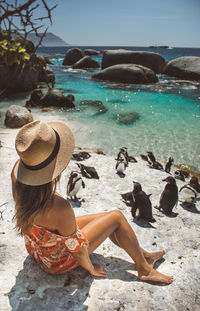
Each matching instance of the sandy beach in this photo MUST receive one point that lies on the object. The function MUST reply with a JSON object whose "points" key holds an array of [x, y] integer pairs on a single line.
{"points": [[24, 286]]}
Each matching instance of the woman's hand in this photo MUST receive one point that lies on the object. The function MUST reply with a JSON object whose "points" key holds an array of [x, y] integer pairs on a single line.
{"points": [[99, 271]]}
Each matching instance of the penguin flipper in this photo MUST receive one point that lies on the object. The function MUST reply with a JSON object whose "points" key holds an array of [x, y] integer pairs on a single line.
{"points": [[83, 184]]}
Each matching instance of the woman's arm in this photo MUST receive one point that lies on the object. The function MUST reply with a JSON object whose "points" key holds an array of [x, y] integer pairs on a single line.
{"points": [[84, 261]]}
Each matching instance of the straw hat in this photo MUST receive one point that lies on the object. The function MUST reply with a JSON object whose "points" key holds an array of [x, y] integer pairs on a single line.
{"points": [[45, 150]]}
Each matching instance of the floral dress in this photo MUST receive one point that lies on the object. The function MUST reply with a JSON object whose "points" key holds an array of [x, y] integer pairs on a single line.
{"points": [[53, 251]]}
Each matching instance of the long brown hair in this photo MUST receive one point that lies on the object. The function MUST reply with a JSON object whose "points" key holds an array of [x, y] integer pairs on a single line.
{"points": [[29, 201]]}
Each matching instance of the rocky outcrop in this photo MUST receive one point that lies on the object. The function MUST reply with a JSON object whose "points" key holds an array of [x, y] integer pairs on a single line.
{"points": [[127, 118], [187, 67], [97, 104], [91, 52], [27, 43], [55, 98], [86, 62], [17, 116], [72, 56], [127, 73], [151, 60], [22, 78]]}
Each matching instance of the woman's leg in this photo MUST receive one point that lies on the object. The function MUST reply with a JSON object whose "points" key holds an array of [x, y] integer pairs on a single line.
{"points": [[82, 221], [102, 227]]}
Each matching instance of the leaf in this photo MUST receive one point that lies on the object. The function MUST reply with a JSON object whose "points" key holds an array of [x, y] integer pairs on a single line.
{"points": [[22, 50], [26, 56]]}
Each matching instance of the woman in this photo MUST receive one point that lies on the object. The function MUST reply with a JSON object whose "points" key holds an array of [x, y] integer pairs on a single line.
{"points": [[54, 237]]}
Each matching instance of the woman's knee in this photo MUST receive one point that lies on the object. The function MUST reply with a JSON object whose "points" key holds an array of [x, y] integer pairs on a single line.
{"points": [[117, 214]]}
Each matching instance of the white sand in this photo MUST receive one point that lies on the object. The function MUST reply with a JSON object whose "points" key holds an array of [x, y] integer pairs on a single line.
{"points": [[25, 287]]}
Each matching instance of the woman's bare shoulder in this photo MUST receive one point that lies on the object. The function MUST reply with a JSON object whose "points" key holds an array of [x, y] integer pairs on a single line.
{"points": [[63, 216]]}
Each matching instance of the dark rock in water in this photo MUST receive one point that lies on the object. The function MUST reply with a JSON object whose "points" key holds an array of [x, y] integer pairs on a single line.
{"points": [[151, 60], [127, 73], [86, 62], [96, 104], [72, 56], [187, 67], [17, 116], [91, 52], [55, 98], [127, 118], [34, 100]]}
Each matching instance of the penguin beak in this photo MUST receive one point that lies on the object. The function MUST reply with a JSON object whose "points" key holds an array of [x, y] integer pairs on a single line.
{"points": [[164, 179]]}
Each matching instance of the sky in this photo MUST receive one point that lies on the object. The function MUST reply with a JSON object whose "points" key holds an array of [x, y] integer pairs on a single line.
{"points": [[127, 22]]}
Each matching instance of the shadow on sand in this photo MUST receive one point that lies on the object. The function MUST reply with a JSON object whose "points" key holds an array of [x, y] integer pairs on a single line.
{"points": [[191, 208], [35, 289], [142, 224]]}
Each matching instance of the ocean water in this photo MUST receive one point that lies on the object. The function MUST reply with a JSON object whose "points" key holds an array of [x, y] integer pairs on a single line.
{"points": [[167, 114]]}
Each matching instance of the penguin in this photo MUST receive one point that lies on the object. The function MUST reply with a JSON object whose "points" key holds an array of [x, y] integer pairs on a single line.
{"points": [[169, 165], [152, 161], [179, 175], [128, 198], [145, 158], [74, 184], [169, 196], [131, 159], [121, 165], [142, 203], [187, 195], [194, 183], [123, 154], [80, 156], [151, 156], [88, 171]]}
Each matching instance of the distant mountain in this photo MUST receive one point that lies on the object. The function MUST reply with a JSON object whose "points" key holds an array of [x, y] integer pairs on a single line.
{"points": [[49, 40]]}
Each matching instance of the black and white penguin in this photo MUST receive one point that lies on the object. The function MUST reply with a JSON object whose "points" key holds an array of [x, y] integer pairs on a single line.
{"points": [[169, 164], [80, 156], [123, 154], [88, 171], [128, 198], [142, 203], [194, 183], [152, 161], [145, 158], [178, 174], [188, 195], [151, 156], [74, 184], [121, 165], [132, 159], [169, 196]]}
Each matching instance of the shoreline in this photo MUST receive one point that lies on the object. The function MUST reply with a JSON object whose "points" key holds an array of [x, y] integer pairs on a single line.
{"points": [[24, 286]]}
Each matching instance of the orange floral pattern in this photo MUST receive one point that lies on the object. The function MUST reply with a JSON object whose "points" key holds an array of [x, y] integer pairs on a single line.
{"points": [[52, 251]]}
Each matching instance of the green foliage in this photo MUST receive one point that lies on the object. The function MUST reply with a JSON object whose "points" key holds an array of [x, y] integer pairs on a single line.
{"points": [[12, 52]]}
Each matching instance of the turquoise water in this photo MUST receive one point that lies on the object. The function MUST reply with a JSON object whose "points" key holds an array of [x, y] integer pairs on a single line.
{"points": [[168, 124]]}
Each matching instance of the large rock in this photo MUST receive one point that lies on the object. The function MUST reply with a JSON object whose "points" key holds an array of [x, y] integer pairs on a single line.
{"points": [[55, 98], [86, 62], [91, 52], [28, 44], [15, 79], [97, 104], [72, 56], [127, 118], [17, 116], [151, 60], [127, 73], [187, 67]]}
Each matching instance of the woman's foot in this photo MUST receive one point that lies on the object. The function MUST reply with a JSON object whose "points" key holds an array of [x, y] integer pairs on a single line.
{"points": [[152, 258], [155, 276]]}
